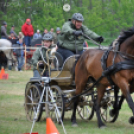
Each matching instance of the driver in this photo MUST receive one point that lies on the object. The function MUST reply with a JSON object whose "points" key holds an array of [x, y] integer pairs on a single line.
{"points": [[72, 31], [47, 44]]}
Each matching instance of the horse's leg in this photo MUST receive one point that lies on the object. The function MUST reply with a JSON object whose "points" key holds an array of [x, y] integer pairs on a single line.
{"points": [[73, 118], [100, 94], [125, 88], [120, 102], [80, 85], [9, 60], [15, 61], [80, 81], [115, 106]]}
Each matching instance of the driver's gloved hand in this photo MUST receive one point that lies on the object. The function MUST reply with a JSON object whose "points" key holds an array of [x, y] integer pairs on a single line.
{"points": [[100, 39], [77, 33]]}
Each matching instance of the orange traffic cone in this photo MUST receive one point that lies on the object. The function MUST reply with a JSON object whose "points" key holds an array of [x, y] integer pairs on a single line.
{"points": [[50, 127], [2, 72], [0, 75], [3, 75]]}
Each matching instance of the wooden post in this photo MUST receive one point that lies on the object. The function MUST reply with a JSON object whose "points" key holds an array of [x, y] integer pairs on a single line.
{"points": [[25, 58]]}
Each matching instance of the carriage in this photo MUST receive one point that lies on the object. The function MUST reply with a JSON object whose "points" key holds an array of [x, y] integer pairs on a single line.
{"points": [[42, 94]]}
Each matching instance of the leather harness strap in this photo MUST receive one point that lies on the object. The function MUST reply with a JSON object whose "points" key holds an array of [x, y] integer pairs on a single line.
{"points": [[104, 66], [127, 64]]}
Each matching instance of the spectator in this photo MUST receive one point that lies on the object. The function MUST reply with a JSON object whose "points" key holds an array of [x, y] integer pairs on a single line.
{"points": [[54, 35], [4, 31], [20, 55], [13, 41], [28, 31], [58, 30], [21, 36], [37, 35], [45, 31], [57, 34], [52, 30], [12, 30], [12, 38]]}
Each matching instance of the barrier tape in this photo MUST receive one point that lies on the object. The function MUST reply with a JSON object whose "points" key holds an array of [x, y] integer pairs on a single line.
{"points": [[4, 48]]}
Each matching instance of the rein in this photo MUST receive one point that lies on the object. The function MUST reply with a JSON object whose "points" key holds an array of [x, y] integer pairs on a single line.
{"points": [[122, 54], [93, 41]]}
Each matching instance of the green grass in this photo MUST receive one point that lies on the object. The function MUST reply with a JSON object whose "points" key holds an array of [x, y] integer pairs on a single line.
{"points": [[13, 119]]}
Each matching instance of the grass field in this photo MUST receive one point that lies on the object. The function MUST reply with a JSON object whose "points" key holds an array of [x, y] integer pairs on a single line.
{"points": [[13, 119]]}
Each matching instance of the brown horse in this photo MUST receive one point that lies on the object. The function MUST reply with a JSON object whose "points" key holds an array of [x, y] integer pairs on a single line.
{"points": [[89, 65]]}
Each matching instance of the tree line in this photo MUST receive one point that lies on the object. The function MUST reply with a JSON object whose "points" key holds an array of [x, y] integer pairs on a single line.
{"points": [[105, 17]]}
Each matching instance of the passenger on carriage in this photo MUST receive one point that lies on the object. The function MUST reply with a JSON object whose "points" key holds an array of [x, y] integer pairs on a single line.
{"points": [[47, 44], [72, 32]]}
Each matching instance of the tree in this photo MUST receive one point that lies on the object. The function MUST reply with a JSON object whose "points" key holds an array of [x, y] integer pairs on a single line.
{"points": [[105, 17]]}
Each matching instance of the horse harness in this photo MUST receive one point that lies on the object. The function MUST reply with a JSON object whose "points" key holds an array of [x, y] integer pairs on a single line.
{"points": [[127, 64]]}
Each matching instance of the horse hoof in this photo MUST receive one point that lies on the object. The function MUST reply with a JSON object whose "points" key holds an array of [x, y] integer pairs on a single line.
{"points": [[131, 120], [74, 125]]}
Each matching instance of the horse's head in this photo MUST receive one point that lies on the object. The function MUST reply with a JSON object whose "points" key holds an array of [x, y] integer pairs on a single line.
{"points": [[126, 41]]}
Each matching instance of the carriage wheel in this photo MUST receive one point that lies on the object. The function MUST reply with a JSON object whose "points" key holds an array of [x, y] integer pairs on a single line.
{"points": [[58, 99], [86, 107], [107, 106], [32, 96]]}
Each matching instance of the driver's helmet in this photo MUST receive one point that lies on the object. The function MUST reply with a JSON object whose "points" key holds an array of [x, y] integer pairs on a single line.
{"points": [[78, 16], [48, 36]]}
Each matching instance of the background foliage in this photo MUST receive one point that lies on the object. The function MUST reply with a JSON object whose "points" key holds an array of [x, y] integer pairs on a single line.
{"points": [[106, 17]]}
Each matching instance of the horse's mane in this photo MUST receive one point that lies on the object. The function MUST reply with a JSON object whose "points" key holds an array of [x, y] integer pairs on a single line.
{"points": [[125, 34]]}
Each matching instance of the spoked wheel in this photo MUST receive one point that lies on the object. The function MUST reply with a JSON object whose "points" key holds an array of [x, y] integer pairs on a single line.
{"points": [[32, 97], [107, 107], [59, 101], [86, 107]]}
